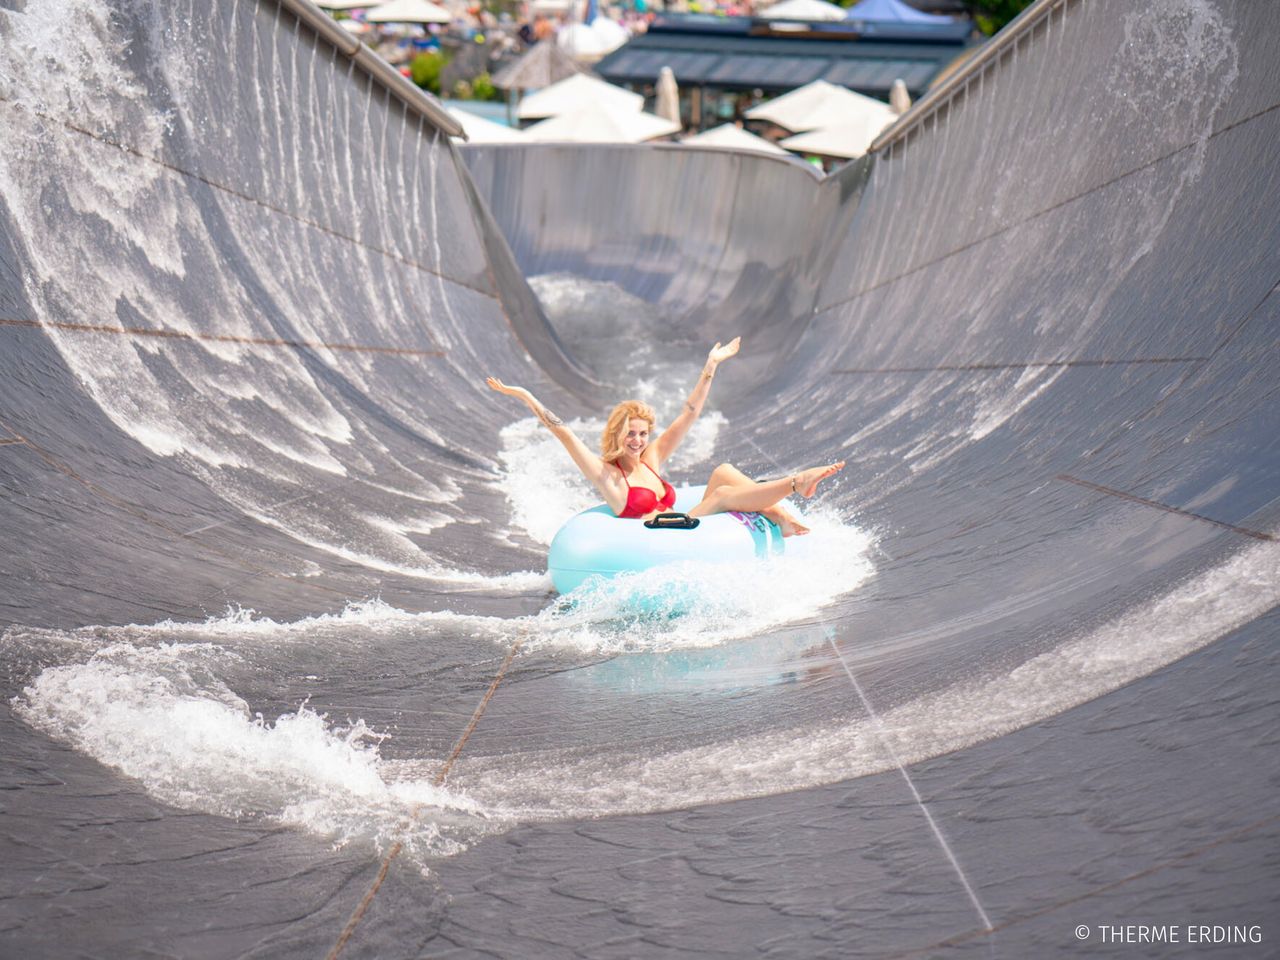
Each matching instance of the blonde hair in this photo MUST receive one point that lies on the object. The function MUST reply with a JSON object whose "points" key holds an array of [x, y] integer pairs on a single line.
{"points": [[615, 429]]}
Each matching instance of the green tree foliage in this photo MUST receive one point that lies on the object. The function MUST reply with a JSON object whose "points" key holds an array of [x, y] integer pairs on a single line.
{"points": [[991, 15], [988, 15], [482, 88], [425, 70]]}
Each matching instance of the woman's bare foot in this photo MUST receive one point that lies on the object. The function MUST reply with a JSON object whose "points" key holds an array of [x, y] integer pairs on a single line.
{"points": [[786, 521], [806, 481]]}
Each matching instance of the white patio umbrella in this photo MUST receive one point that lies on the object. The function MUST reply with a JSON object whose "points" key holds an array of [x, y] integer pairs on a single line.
{"points": [[480, 130], [595, 123], [611, 32], [847, 140], [574, 93], [729, 137], [791, 105], [581, 42], [347, 4], [804, 10], [822, 104], [409, 11], [668, 99]]}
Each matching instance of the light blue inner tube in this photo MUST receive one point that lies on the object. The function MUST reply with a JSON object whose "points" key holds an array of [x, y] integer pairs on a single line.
{"points": [[596, 542]]}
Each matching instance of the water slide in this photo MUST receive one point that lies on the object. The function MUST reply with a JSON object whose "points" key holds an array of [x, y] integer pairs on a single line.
{"points": [[282, 671]]}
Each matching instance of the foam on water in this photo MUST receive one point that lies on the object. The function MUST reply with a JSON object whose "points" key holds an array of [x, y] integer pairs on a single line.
{"points": [[161, 715], [1150, 636], [155, 703]]}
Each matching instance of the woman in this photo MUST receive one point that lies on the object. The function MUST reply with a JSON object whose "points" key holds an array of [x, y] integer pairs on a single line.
{"points": [[627, 470]]}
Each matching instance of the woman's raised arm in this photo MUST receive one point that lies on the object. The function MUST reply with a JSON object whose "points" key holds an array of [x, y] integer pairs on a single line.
{"points": [[671, 437], [591, 465]]}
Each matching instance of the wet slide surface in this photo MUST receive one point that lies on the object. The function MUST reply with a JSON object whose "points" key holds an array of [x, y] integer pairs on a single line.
{"points": [[277, 636]]}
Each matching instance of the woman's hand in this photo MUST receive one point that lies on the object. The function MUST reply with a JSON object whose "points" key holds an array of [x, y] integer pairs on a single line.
{"points": [[520, 392], [719, 353]]}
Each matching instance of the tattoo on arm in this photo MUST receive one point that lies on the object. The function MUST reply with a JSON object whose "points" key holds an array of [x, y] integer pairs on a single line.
{"points": [[550, 419]]}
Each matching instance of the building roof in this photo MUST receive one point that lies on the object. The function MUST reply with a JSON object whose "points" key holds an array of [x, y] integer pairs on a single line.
{"points": [[892, 11], [741, 56]]}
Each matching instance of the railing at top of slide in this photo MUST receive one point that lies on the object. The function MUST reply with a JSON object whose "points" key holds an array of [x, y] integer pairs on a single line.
{"points": [[382, 73], [938, 97]]}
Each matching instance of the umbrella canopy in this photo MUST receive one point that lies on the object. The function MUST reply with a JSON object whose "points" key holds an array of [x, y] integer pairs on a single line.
{"points": [[581, 42], [595, 123], [847, 140], [409, 11], [892, 11], [733, 138], [610, 32], [347, 4], [542, 65], [576, 92], [803, 10], [668, 99], [480, 130], [822, 104]]}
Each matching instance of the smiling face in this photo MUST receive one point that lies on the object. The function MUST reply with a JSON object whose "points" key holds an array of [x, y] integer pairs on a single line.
{"points": [[635, 436], [628, 430]]}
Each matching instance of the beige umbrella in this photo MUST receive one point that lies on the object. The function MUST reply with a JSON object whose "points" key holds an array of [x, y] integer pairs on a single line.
{"points": [[668, 105], [574, 93], [821, 104], [847, 140], [795, 102], [595, 123], [480, 130], [807, 10], [729, 137], [409, 11], [347, 4], [611, 32], [582, 43]]}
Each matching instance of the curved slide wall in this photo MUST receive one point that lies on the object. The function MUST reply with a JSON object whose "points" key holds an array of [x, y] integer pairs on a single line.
{"points": [[238, 277]]}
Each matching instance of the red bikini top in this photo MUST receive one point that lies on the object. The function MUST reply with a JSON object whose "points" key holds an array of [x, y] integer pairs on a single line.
{"points": [[641, 501]]}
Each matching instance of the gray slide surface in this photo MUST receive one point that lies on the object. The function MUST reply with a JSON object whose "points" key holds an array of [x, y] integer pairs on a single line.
{"points": [[265, 561]]}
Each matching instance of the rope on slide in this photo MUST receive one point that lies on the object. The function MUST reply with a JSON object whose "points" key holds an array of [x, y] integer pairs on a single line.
{"points": [[394, 852]]}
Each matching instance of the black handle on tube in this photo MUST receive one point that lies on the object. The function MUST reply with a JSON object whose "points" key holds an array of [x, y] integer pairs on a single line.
{"points": [[672, 521]]}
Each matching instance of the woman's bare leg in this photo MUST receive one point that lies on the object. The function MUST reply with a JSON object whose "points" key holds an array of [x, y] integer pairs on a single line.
{"points": [[727, 475], [760, 496]]}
